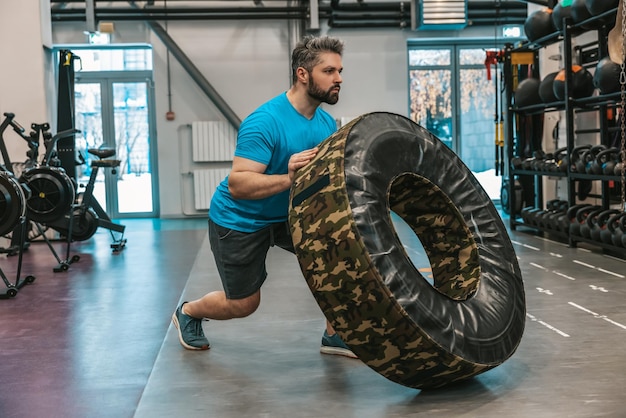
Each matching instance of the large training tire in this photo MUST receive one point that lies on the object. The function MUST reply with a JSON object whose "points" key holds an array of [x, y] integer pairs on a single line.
{"points": [[418, 335], [12, 202]]}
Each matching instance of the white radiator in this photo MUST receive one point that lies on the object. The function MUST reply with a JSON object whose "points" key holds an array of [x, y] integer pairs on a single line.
{"points": [[213, 141], [204, 184]]}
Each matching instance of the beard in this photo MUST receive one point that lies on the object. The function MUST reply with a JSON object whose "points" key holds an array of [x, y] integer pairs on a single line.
{"points": [[329, 96]]}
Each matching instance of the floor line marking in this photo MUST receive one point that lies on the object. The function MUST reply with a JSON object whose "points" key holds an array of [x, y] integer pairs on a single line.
{"points": [[621, 276], [538, 266], [584, 264], [551, 241], [531, 247], [614, 258], [597, 315], [563, 275], [600, 269], [545, 324]]}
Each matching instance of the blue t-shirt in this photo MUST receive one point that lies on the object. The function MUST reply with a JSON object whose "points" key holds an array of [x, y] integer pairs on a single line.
{"points": [[270, 135]]}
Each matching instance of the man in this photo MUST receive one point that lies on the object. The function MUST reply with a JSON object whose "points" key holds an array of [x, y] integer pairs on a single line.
{"points": [[248, 212]]}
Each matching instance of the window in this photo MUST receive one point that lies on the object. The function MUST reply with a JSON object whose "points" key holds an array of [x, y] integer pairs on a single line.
{"points": [[451, 96]]}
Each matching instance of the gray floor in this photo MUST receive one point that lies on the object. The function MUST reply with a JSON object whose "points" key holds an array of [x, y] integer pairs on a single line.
{"points": [[570, 362]]}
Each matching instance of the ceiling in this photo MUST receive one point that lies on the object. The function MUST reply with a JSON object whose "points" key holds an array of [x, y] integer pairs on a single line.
{"points": [[337, 13]]}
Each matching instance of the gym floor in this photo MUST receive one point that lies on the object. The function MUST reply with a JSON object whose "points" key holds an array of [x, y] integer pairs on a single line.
{"points": [[97, 341]]}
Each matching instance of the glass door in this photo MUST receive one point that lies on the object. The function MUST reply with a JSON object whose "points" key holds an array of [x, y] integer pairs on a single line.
{"points": [[115, 112], [451, 96]]}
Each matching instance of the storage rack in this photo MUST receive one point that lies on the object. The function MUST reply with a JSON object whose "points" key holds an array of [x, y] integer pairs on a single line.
{"points": [[570, 106]]}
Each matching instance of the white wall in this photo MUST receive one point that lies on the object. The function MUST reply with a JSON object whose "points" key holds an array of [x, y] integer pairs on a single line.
{"points": [[247, 62], [25, 72]]}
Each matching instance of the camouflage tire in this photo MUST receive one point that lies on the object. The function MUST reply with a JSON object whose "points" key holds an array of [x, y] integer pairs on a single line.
{"points": [[414, 333], [12, 202]]}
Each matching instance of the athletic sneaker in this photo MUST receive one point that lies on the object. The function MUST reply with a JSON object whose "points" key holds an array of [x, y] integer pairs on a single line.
{"points": [[190, 333], [333, 344]]}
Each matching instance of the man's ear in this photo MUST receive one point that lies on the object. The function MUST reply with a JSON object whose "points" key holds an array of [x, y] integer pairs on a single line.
{"points": [[303, 75]]}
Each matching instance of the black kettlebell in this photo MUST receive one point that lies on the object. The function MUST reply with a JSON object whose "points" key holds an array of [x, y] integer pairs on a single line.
{"points": [[605, 161], [542, 216], [576, 158], [589, 222], [569, 217], [617, 226], [601, 223], [552, 220], [589, 158], [577, 227], [607, 234]]}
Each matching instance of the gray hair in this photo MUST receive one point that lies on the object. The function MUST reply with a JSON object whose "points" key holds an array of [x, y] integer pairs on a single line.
{"points": [[307, 51]]}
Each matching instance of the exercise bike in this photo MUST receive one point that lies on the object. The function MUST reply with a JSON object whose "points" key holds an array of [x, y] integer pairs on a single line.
{"points": [[13, 196], [55, 203], [87, 213]]}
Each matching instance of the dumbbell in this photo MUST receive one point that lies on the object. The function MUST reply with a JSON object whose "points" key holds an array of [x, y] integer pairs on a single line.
{"points": [[516, 163], [560, 161], [524, 213], [529, 214], [532, 163]]}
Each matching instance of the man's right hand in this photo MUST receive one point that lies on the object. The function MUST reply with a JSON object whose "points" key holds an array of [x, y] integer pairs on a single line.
{"points": [[299, 160]]}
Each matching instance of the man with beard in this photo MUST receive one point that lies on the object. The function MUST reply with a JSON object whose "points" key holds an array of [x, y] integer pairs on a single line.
{"points": [[248, 212]]}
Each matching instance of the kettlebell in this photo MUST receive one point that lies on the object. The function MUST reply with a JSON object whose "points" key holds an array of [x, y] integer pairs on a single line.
{"points": [[569, 217], [611, 223], [605, 162], [576, 158], [600, 224], [589, 158], [552, 219], [579, 219], [588, 223], [542, 215]]}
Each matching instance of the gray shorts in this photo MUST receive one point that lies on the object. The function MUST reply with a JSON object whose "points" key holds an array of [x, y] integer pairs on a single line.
{"points": [[240, 256]]}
